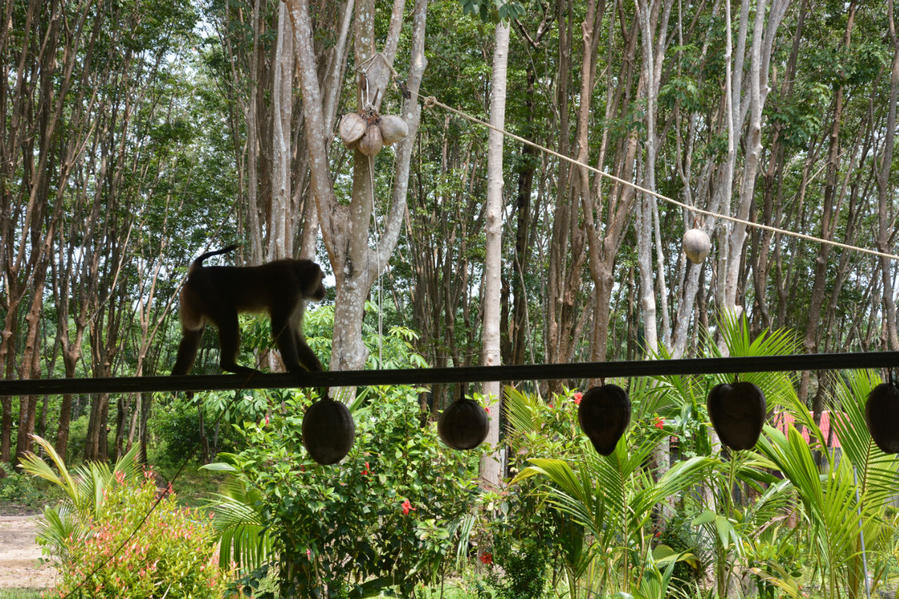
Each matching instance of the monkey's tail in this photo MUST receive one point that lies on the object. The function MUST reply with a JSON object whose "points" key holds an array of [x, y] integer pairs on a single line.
{"points": [[198, 263]]}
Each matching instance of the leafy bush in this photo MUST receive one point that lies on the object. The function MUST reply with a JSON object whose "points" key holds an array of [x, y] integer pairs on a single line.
{"points": [[172, 555], [385, 517], [19, 489], [176, 424]]}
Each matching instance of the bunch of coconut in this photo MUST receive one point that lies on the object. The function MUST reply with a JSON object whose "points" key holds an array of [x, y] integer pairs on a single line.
{"points": [[368, 131]]}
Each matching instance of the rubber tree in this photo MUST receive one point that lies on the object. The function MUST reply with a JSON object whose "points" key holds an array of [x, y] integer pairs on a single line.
{"points": [[346, 226], [491, 464]]}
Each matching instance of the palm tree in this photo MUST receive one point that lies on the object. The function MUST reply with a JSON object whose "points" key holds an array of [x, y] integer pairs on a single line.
{"points": [[84, 487], [844, 506], [243, 535]]}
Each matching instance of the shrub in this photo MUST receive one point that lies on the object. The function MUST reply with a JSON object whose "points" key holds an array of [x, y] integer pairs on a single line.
{"points": [[385, 517], [172, 554], [19, 489]]}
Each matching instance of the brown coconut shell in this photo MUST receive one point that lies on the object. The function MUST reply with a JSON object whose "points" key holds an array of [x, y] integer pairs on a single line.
{"points": [[697, 245], [328, 431], [463, 424], [737, 412], [352, 128], [882, 416], [604, 414], [371, 143], [393, 129]]}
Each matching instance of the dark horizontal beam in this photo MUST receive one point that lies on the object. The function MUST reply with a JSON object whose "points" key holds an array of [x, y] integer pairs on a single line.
{"points": [[472, 374]]}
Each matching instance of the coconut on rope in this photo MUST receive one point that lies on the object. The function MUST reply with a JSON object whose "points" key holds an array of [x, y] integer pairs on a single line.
{"points": [[367, 130]]}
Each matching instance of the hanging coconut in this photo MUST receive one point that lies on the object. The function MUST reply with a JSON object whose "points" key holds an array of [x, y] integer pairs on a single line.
{"points": [[604, 413], [737, 412], [371, 143], [352, 128], [463, 424], [697, 245], [882, 416], [393, 129], [328, 431]]}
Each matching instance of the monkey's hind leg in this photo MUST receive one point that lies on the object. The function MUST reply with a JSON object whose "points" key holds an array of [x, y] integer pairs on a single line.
{"points": [[187, 351]]}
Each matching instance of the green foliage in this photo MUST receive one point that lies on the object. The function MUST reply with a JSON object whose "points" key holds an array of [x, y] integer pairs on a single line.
{"points": [[501, 10], [19, 489], [172, 555], [521, 541], [386, 517], [846, 499], [175, 422], [84, 489]]}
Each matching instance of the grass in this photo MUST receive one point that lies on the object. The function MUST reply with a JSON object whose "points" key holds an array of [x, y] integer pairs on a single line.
{"points": [[20, 594]]}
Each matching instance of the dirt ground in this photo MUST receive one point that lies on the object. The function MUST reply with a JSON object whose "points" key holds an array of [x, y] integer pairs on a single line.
{"points": [[20, 566]]}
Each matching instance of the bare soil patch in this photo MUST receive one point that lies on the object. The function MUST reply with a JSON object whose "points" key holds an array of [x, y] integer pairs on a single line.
{"points": [[20, 565]]}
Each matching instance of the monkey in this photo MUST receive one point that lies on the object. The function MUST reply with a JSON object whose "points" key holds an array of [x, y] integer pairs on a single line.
{"points": [[218, 293]]}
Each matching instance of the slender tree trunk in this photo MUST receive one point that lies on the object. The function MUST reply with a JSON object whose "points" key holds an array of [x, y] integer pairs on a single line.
{"points": [[558, 295], [491, 464], [252, 120], [884, 191], [280, 232], [829, 219], [607, 211]]}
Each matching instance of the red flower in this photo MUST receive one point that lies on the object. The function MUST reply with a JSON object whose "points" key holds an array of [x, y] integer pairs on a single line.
{"points": [[659, 423], [486, 558], [407, 507], [365, 471], [487, 409], [577, 398]]}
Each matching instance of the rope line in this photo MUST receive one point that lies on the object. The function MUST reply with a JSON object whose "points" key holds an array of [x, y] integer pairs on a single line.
{"points": [[432, 101]]}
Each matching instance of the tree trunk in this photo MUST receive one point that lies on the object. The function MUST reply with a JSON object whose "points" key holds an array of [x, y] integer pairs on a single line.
{"points": [[884, 213], [829, 221], [345, 229], [491, 464], [280, 231], [605, 238]]}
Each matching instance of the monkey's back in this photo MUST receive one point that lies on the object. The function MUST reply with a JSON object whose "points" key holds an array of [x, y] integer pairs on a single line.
{"points": [[245, 288]]}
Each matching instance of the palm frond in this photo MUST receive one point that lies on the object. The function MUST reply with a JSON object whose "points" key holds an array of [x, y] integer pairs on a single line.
{"points": [[56, 527], [876, 471], [36, 466], [243, 534], [570, 492], [778, 387], [521, 413]]}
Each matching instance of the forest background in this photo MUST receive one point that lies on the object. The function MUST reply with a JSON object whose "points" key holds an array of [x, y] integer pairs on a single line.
{"points": [[137, 135]]}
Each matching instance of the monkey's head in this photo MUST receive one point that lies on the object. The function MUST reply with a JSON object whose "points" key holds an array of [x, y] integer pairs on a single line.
{"points": [[311, 277]]}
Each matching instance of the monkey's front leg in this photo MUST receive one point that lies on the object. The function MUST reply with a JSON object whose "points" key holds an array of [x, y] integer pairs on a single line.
{"points": [[309, 360], [296, 354]]}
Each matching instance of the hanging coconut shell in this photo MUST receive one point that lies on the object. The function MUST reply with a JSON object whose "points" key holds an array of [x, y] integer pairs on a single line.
{"points": [[882, 416], [604, 413], [352, 128], [463, 424], [737, 412], [371, 143], [328, 431], [697, 245], [393, 129]]}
